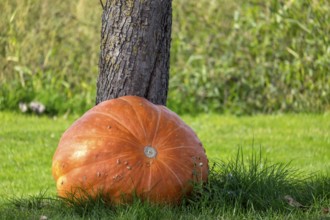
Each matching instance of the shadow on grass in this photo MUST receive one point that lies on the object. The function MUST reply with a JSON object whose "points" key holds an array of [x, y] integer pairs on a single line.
{"points": [[241, 187]]}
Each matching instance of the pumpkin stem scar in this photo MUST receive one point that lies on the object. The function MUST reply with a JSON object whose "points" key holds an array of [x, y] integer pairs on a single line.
{"points": [[150, 152]]}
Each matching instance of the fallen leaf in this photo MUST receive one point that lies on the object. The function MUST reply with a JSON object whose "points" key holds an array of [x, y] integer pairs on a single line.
{"points": [[43, 217], [292, 202]]}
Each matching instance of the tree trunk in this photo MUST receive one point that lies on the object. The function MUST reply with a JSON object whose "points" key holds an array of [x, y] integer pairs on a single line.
{"points": [[135, 50]]}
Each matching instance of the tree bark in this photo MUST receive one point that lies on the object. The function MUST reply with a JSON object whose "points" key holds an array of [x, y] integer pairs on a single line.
{"points": [[135, 50]]}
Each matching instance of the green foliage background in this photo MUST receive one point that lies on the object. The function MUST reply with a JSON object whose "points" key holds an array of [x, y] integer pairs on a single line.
{"points": [[241, 57]]}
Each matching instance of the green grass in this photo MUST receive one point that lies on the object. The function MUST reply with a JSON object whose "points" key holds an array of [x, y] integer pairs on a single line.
{"points": [[240, 186], [27, 145], [300, 139], [247, 57]]}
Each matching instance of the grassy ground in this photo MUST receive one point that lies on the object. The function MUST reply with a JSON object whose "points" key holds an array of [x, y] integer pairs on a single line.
{"points": [[27, 144], [303, 140]]}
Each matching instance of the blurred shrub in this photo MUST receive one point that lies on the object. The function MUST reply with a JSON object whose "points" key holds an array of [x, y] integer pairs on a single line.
{"points": [[251, 56], [49, 52], [241, 57]]}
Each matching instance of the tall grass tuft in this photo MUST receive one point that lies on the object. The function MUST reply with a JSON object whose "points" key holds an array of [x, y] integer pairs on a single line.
{"points": [[251, 184]]}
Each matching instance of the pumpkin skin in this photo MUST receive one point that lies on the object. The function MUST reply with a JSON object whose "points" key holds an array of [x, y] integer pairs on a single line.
{"points": [[129, 146]]}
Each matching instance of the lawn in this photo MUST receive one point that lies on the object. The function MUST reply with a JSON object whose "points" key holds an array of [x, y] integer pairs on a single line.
{"points": [[302, 139], [268, 59], [27, 144]]}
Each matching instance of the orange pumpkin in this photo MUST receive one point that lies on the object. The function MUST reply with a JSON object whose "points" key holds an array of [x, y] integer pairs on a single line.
{"points": [[129, 146]]}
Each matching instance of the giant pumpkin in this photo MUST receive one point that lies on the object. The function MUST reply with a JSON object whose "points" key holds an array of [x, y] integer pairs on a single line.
{"points": [[129, 146]]}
